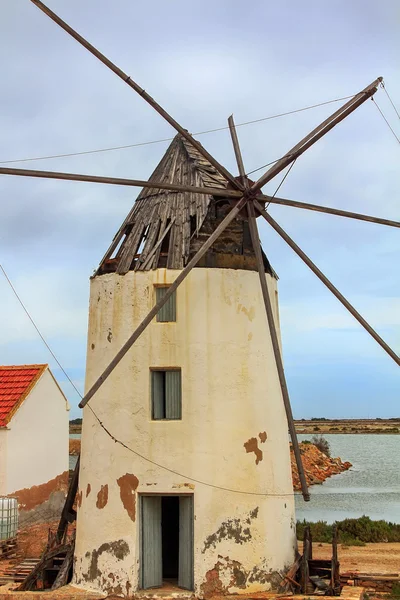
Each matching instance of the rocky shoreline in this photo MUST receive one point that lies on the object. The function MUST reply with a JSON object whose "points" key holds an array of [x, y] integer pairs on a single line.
{"points": [[317, 465]]}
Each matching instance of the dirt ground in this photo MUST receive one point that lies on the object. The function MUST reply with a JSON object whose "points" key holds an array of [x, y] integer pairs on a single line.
{"points": [[372, 558]]}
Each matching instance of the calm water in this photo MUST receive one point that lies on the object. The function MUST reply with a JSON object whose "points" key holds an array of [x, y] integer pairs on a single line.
{"points": [[73, 459], [371, 487]]}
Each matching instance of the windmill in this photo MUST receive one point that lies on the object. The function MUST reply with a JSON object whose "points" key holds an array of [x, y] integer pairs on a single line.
{"points": [[137, 251]]}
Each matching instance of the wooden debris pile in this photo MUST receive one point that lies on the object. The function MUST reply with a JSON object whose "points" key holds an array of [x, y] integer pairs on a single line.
{"points": [[16, 571], [313, 576], [54, 569], [381, 583]]}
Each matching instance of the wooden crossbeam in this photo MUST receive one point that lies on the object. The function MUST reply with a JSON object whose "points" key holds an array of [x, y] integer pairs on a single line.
{"points": [[317, 134], [326, 281], [209, 191], [127, 79]]}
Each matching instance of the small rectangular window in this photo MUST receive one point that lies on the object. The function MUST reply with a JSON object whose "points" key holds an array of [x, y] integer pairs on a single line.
{"points": [[168, 311], [166, 397]]}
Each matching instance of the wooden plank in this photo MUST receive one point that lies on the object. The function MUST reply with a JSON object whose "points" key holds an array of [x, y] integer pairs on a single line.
{"points": [[173, 287], [276, 349], [326, 281]]}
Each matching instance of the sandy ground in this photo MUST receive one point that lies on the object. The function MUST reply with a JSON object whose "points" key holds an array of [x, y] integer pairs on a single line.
{"points": [[372, 558]]}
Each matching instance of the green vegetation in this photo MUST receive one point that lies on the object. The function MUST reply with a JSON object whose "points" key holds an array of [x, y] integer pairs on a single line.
{"points": [[395, 593], [352, 532], [321, 443], [76, 422]]}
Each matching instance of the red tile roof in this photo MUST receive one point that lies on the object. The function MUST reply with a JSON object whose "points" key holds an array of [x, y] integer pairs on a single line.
{"points": [[16, 381]]}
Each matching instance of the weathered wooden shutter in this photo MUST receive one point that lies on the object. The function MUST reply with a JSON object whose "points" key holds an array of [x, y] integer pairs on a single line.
{"points": [[151, 556], [168, 311], [186, 543], [158, 394], [173, 401]]}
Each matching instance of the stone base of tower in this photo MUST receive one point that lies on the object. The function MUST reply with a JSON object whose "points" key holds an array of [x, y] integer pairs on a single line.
{"points": [[204, 500]]}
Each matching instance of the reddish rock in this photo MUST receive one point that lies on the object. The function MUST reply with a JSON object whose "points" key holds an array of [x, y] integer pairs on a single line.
{"points": [[317, 466]]}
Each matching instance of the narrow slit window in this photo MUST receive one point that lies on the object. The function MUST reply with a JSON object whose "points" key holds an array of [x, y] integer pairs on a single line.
{"points": [[166, 396], [167, 313]]}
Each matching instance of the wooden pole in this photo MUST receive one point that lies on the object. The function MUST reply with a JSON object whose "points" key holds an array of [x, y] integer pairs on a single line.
{"points": [[209, 191], [326, 281], [171, 289], [276, 349], [317, 133], [68, 514], [137, 89], [255, 240], [236, 148], [327, 210], [173, 187]]}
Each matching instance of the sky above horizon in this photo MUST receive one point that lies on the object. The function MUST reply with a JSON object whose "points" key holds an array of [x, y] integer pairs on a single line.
{"points": [[203, 62]]}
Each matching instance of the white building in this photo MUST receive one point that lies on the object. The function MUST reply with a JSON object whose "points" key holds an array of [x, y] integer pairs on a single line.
{"points": [[204, 499], [34, 434]]}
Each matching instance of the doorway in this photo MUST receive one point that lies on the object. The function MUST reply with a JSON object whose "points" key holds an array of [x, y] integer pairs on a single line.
{"points": [[166, 534]]}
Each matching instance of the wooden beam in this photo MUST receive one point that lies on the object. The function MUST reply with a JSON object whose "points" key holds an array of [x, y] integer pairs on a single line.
{"points": [[137, 89], [317, 133], [68, 504], [327, 210], [171, 289], [209, 191], [236, 148], [276, 349], [326, 281]]}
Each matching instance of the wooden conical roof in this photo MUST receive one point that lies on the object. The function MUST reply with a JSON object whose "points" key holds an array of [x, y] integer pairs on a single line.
{"points": [[165, 228]]}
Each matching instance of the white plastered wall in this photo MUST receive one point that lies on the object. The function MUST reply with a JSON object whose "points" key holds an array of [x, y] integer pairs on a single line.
{"points": [[3, 461], [38, 437], [230, 394]]}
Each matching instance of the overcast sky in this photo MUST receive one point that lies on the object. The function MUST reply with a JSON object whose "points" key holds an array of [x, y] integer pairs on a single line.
{"points": [[204, 61]]}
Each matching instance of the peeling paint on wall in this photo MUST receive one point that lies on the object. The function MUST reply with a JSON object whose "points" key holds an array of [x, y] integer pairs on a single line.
{"points": [[79, 499], [119, 550], [227, 576], [232, 529], [102, 496], [252, 446], [263, 437], [88, 489], [128, 484]]}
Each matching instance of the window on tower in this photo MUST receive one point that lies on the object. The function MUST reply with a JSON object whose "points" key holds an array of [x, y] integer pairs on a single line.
{"points": [[167, 312], [166, 395]]}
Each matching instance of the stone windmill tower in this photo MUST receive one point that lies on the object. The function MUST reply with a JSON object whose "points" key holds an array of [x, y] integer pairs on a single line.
{"points": [[189, 397], [184, 475]]}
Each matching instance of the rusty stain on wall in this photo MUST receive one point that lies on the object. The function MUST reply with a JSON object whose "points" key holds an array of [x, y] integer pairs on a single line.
{"points": [[233, 529], [263, 436], [102, 496], [88, 489], [252, 446], [128, 484]]}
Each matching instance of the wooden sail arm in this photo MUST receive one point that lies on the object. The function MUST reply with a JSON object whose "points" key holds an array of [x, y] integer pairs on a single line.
{"points": [[317, 134], [326, 281], [127, 79], [208, 191]]}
